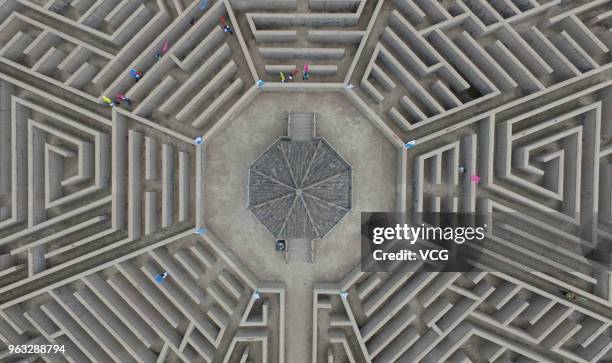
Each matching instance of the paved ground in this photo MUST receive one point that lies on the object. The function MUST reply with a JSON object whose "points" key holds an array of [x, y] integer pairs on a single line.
{"points": [[229, 156]]}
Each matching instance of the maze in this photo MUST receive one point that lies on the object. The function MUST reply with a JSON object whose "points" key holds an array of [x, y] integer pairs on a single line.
{"points": [[118, 314], [501, 108]]}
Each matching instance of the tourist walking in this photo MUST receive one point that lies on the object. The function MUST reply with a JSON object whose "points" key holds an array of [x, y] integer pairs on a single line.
{"points": [[306, 75], [108, 101], [226, 28], [136, 74], [163, 50], [159, 278], [121, 97]]}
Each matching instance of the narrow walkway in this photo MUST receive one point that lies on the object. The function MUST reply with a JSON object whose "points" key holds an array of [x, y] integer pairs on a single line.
{"points": [[299, 250], [301, 126], [299, 315]]}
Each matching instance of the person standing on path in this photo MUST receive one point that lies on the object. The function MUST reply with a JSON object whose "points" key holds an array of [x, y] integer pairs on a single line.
{"points": [[136, 74], [226, 28], [121, 97], [306, 72], [108, 101], [164, 50], [159, 278]]}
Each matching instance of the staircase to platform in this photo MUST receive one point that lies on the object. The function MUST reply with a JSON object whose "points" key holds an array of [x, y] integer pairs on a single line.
{"points": [[299, 250], [301, 126]]}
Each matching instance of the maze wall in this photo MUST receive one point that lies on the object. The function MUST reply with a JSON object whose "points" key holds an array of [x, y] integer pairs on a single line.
{"points": [[96, 200]]}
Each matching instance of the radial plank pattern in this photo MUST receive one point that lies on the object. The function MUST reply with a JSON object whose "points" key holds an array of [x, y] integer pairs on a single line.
{"points": [[300, 189]]}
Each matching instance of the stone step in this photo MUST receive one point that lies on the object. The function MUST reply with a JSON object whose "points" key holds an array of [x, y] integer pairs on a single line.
{"points": [[299, 250], [301, 126]]}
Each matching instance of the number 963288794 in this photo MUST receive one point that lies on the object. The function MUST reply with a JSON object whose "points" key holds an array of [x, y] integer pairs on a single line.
{"points": [[36, 349]]}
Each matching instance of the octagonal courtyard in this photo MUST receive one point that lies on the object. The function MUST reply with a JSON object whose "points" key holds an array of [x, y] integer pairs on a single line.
{"points": [[233, 150]]}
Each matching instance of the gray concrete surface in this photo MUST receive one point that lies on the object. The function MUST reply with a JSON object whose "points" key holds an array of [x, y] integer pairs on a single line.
{"points": [[229, 156]]}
